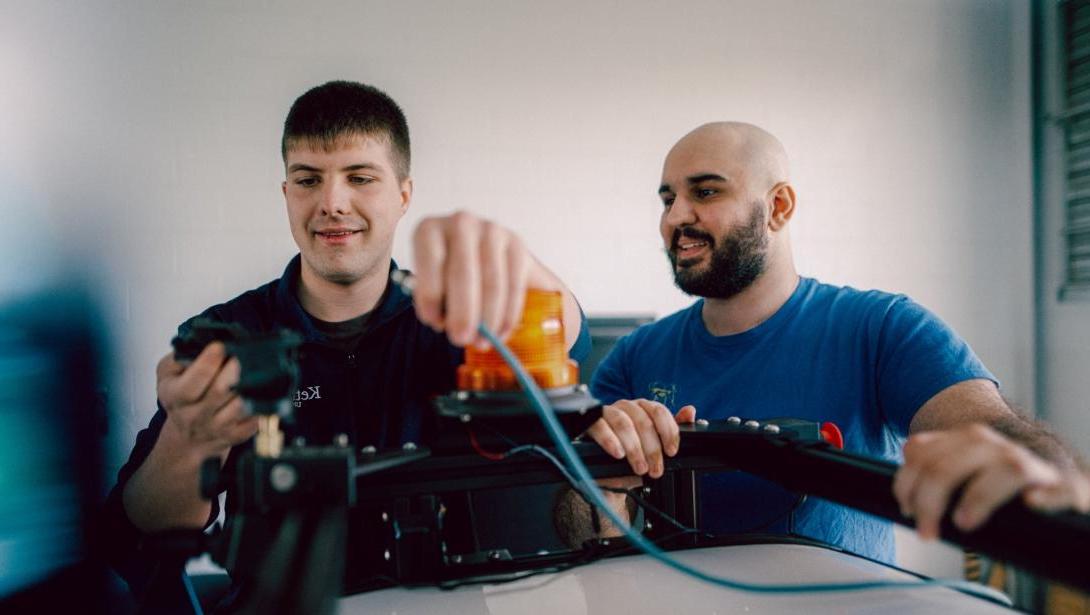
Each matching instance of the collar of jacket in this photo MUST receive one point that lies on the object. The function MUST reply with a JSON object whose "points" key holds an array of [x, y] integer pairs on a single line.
{"points": [[394, 302]]}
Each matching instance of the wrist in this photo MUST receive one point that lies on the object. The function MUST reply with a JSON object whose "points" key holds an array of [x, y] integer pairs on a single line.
{"points": [[175, 444]]}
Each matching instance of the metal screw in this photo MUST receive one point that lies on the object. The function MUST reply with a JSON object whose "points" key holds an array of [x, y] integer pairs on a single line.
{"points": [[772, 428], [582, 388], [368, 450], [495, 556], [465, 418], [386, 555], [751, 424], [605, 542], [408, 446], [457, 559], [283, 477], [647, 526], [733, 420], [299, 441], [646, 491], [461, 395], [341, 440], [702, 422], [385, 517]]}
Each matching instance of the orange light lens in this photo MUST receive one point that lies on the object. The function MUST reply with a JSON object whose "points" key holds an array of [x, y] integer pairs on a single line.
{"points": [[538, 342]]}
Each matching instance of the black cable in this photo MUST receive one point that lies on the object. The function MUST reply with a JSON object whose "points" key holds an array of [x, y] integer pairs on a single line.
{"points": [[649, 507], [578, 488]]}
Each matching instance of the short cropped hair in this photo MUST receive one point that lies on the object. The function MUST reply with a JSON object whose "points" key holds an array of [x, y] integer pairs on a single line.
{"points": [[332, 111]]}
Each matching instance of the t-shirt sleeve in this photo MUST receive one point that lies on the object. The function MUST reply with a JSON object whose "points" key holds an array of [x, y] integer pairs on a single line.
{"points": [[918, 356], [610, 381], [581, 348]]}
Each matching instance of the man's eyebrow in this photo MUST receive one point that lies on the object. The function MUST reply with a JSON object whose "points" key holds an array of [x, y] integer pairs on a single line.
{"points": [[361, 166], [705, 177], [695, 179]]}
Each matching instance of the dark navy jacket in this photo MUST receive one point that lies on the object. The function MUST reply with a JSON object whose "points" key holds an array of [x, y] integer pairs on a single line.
{"points": [[378, 393]]}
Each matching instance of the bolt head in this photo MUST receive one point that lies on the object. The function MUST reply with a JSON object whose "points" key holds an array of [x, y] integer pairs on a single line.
{"points": [[283, 477], [385, 517], [702, 422], [368, 450], [408, 446], [341, 440], [465, 418], [386, 555], [751, 424], [772, 428]]}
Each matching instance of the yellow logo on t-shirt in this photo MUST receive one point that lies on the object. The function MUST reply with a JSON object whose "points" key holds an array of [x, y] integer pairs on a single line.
{"points": [[662, 393]]}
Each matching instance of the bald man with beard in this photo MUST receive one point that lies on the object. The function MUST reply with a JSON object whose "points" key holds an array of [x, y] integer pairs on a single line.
{"points": [[763, 342]]}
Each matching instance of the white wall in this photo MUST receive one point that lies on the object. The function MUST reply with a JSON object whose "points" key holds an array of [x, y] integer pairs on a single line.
{"points": [[148, 135]]}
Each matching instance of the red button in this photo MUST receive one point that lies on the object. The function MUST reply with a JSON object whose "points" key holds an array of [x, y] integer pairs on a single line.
{"points": [[831, 434]]}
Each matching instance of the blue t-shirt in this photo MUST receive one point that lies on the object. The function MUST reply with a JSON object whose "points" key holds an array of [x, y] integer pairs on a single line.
{"points": [[866, 361]]}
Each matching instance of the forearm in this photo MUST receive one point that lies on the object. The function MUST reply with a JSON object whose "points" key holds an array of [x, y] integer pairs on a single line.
{"points": [[979, 401], [968, 439], [164, 492], [1035, 436]]}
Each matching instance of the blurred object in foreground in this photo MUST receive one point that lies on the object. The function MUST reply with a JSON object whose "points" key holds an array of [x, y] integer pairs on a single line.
{"points": [[52, 422]]}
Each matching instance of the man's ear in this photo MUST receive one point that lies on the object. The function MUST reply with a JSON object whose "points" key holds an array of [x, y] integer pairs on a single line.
{"points": [[406, 194], [782, 206], [284, 187]]}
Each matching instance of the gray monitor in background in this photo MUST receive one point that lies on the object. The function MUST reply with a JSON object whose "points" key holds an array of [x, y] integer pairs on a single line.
{"points": [[604, 333]]}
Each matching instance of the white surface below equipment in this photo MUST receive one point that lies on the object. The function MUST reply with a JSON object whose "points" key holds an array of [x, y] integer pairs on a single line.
{"points": [[634, 585]]}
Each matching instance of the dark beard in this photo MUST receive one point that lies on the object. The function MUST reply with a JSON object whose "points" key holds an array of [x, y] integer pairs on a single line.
{"points": [[737, 259]]}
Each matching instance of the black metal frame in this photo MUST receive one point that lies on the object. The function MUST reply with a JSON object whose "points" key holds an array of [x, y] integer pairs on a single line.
{"points": [[1053, 545], [403, 506]]}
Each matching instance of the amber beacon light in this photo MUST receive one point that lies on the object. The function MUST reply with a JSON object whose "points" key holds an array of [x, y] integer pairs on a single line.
{"points": [[489, 405], [538, 342]]}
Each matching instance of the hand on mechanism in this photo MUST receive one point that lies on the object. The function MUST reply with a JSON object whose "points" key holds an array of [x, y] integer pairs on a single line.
{"points": [[641, 431], [202, 408], [988, 469]]}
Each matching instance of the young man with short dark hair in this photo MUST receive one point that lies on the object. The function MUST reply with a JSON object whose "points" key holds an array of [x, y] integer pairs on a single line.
{"points": [[372, 356]]}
